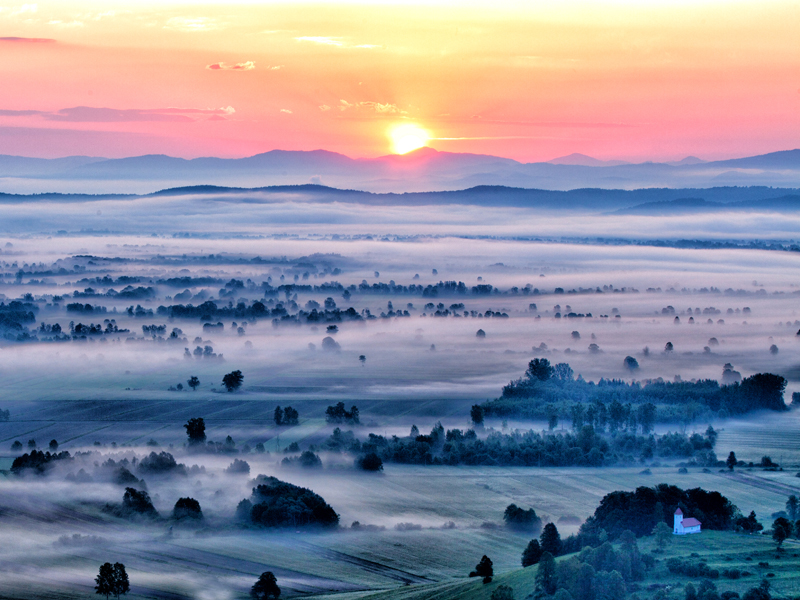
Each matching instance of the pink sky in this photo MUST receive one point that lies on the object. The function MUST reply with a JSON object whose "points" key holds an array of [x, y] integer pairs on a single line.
{"points": [[526, 80]]}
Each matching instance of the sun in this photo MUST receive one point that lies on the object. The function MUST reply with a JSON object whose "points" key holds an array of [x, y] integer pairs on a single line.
{"points": [[408, 137]]}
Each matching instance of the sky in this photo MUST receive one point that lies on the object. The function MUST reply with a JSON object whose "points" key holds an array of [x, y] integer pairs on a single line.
{"points": [[532, 81]]}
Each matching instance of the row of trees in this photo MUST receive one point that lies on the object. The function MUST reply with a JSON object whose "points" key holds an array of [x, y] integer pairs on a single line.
{"points": [[528, 448]]}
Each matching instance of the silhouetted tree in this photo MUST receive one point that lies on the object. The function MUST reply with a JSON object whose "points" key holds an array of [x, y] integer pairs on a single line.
{"points": [[731, 460], [136, 501], [539, 368], [196, 430], [193, 382], [233, 380], [53, 445], [370, 462], [532, 553], [550, 539], [484, 569], [668, 347], [266, 587], [290, 416], [187, 508], [278, 415], [631, 363], [476, 414], [112, 580], [781, 529]]}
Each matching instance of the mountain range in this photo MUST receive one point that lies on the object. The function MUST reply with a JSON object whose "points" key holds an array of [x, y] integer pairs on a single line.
{"points": [[425, 169]]}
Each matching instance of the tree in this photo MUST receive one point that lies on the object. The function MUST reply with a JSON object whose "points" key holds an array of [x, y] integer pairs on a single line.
{"points": [[363, 359], [112, 580], [630, 363], [278, 415], [54, 447], [646, 416], [290, 416], [503, 592], [484, 569], [476, 413], [792, 505], [546, 579], [187, 508], [532, 553], [233, 380], [550, 539], [731, 460], [781, 529], [266, 587], [370, 462], [552, 416], [668, 347], [663, 534], [196, 430], [539, 368], [193, 382]]}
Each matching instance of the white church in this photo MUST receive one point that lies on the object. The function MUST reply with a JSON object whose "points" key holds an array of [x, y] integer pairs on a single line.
{"points": [[685, 526]]}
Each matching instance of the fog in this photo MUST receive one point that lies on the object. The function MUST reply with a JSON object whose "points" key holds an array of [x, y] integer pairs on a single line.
{"points": [[560, 284]]}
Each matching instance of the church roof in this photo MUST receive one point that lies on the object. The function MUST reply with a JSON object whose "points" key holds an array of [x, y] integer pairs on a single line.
{"points": [[690, 522], [678, 511]]}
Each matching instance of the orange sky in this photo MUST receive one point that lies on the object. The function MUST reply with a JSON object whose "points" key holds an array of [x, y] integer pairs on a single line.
{"points": [[527, 80]]}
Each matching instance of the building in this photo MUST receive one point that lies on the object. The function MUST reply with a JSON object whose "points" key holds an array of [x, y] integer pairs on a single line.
{"points": [[685, 526]]}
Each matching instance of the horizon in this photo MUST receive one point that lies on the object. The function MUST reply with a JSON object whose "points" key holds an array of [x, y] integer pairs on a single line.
{"points": [[412, 152]]}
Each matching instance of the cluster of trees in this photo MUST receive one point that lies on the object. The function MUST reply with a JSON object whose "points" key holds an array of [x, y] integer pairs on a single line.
{"points": [[275, 503], [641, 510], [286, 416], [529, 448], [602, 572], [550, 392], [339, 414], [37, 461]]}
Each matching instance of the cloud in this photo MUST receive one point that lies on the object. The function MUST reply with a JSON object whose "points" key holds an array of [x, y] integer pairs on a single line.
{"points": [[58, 23], [242, 66], [378, 107], [276, 67], [90, 114], [326, 41], [338, 42], [24, 40], [324, 108], [191, 24], [286, 111]]}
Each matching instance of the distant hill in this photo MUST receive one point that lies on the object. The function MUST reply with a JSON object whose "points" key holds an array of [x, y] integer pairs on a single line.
{"points": [[654, 201]]}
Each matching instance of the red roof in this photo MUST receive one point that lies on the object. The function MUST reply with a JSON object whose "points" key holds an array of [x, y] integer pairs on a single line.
{"points": [[678, 511], [690, 522]]}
